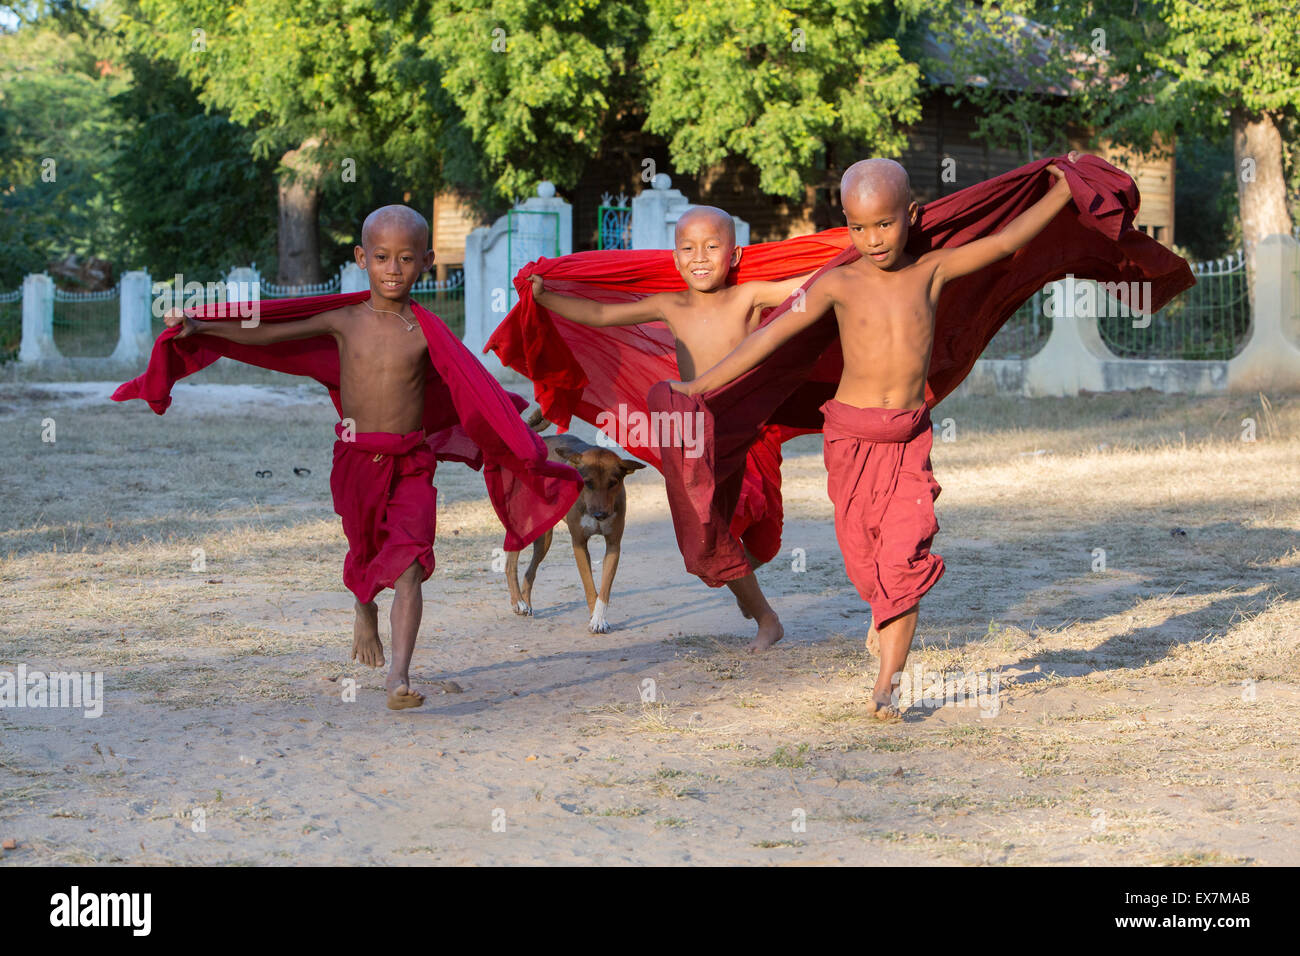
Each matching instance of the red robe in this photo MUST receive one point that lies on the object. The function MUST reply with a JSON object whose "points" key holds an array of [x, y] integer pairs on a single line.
{"points": [[468, 416], [881, 484], [383, 491], [582, 371]]}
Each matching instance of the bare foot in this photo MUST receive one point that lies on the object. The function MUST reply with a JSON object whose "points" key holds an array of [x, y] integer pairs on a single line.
{"points": [[402, 697], [873, 640], [769, 632], [366, 646], [885, 710]]}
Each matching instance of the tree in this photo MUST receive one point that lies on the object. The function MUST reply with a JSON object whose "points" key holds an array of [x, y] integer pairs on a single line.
{"points": [[532, 86], [785, 85], [536, 86], [327, 88], [58, 133], [1205, 203], [1144, 72], [193, 200], [1221, 61], [1018, 73]]}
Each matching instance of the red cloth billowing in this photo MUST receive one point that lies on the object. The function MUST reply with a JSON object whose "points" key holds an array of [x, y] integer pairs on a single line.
{"points": [[759, 515], [581, 371], [584, 371], [383, 490], [879, 479], [1092, 239], [468, 416]]}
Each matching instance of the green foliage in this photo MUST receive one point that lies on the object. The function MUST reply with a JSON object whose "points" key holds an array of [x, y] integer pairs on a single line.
{"points": [[1187, 65], [58, 133], [1139, 70], [1021, 75], [346, 76], [1216, 54], [1206, 222], [346, 71], [532, 85], [192, 198], [780, 84]]}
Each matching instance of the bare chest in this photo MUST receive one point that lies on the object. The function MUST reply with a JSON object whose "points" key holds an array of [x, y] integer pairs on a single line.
{"points": [[704, 339], [384, 351]]}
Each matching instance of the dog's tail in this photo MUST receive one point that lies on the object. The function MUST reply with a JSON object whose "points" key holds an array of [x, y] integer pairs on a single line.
{"points": [[538, 422]]}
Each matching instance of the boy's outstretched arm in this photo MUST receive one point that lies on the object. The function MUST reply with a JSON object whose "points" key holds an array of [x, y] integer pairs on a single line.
{"points": [[759, 345], [974, 256], [768, 294], [264, 333], [586, 312]]}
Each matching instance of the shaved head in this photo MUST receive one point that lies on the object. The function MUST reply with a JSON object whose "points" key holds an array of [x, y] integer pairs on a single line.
{"points": [[709, 214], [402, 219], [876, 179]]}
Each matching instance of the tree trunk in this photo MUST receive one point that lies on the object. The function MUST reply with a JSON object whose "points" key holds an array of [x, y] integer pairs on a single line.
{"points": [[1261, 187], [299, 238]]}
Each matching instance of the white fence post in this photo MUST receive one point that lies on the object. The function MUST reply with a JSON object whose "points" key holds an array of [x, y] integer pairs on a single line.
{"points": [[38, 320], [352, 278], [1271, 357], [655, 212], [488, 267], [135, 317], [1071, 358], [242, 278]]}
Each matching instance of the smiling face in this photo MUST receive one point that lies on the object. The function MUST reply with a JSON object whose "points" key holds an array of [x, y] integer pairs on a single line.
{"points": [[394, 251], [706, 247], [878, 206]]}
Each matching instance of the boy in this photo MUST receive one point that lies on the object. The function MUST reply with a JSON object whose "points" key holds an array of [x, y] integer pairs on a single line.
{"points": [[707, 320], [877, 431], [382, 480]]}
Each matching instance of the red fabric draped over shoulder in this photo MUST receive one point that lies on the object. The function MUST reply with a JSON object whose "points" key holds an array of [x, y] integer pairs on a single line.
{"points": [[581, 371], [468, 416]]}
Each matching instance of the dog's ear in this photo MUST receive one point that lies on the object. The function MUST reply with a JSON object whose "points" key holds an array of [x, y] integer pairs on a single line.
{"points": [[630, 466], [574, 458]]}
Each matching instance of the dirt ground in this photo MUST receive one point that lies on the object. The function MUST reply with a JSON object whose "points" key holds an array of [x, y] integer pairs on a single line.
{"points": [[1125, 566]]}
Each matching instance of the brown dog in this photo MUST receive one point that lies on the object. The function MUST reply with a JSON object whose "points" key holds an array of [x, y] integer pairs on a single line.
{"points": [[600, 509]]}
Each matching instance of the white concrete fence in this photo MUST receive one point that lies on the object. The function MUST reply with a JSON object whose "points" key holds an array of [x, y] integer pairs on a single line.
{"points": [[1073, 358], [137, 296], [542, 225]]}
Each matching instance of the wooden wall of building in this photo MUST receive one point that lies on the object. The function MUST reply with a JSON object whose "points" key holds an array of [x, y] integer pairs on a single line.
{"points": [[453, 219], [945, 132]]}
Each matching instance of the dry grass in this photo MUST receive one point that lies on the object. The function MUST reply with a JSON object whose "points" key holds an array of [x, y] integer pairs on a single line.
{"points": [[1145, 711]]}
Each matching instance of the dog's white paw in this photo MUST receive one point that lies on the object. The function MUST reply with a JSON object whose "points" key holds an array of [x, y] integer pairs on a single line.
{"points": [[524, 608], [598, 623]]}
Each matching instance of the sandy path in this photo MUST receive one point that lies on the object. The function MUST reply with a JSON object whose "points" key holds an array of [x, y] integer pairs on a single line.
{"points": [[1124, 732]]}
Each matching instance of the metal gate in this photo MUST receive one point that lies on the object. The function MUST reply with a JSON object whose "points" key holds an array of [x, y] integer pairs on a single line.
{"points": [[613, 223]]}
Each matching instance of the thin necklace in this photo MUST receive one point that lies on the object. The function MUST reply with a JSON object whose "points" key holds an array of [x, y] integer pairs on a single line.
{"points": [[409, 326]]}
